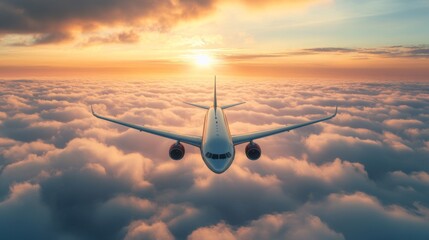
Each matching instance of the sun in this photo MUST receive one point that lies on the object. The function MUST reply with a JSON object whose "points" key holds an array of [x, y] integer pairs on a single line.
{"points": [[203, 60]]}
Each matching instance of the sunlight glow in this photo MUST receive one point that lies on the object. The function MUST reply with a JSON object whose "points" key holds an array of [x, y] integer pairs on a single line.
{"points": [[203, 60]]}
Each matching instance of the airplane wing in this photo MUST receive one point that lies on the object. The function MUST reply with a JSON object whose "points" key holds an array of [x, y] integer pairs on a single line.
{"points": [[192, 140], [243, 138]]}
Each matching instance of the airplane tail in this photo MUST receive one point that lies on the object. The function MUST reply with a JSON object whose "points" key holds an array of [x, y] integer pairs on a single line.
{"points": [[214, 101], [203, 106], [214, 97]]}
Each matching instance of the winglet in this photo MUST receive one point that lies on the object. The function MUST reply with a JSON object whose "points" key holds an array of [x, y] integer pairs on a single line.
{"points": [[92, 110], [336, 111]]}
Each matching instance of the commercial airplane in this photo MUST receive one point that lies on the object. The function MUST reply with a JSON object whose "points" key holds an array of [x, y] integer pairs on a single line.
{"points": [[216, 144]]}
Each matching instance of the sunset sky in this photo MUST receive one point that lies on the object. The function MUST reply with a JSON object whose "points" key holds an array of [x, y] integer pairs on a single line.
{"points": [[66, 175], [386, 39]]}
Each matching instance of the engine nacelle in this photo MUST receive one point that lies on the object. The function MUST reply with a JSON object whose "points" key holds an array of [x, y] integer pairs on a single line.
{"points": [[177, 151], [253, 151]]}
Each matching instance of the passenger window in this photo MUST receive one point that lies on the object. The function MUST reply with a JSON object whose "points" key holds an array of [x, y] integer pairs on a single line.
{"points": [[215, 156], [222, 156]]}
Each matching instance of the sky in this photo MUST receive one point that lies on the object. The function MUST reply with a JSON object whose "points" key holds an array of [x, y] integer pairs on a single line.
{"points": [[311, 39], [67, 175]]}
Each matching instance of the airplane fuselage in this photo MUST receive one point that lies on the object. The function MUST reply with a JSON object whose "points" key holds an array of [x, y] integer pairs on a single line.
{"points": [[217, 148]]}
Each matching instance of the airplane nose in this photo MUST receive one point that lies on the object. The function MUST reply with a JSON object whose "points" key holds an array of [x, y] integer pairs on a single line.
{"points": [[220, 165]]}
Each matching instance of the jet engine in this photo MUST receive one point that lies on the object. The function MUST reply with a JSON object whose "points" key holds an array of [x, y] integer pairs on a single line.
{"points": [[253, 151], [177, 151]]}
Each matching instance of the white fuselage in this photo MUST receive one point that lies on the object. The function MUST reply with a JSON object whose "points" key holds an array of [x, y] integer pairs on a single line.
{"points": [[217, 149]]}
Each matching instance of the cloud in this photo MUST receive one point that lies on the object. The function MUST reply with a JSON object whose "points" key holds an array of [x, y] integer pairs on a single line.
{"points": [[15, 101], [402, 123], [220, 230], [55, 37], [415, 179], [19, 151], [141, 230], [357, 213], [421, 51], [122, 37], [272, 226], [83, 178], [330, 50], [24, 198], [56, 21], [59, 21]]}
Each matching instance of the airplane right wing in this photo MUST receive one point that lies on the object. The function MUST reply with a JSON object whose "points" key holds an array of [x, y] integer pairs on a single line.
{"points": [[243, 138], [192, 140]]}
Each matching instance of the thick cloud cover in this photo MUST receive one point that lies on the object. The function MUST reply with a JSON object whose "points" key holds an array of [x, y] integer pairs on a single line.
{"points": [[68, 175]]}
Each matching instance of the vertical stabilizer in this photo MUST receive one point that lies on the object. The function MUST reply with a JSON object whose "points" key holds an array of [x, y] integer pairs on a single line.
{"points": [[215, 98]]}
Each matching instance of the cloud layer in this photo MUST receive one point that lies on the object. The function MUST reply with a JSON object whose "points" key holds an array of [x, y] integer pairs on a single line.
{"points": [[82, 178]]}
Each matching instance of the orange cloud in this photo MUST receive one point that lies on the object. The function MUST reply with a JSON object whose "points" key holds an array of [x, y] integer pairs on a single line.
{"points": [[59, 21]]}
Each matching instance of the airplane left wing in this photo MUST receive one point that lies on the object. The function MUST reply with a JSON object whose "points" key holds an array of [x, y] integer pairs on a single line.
{"points": [[243, 138], [192, 140]]}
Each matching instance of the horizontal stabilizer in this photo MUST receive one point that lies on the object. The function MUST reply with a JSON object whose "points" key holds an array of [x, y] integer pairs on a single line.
{"points": [[197, 105], [232, 105]]}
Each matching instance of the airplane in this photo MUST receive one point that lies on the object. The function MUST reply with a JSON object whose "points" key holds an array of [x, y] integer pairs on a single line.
{"points": [[217, 144]]}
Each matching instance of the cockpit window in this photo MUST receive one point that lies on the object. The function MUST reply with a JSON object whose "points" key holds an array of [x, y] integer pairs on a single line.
{"points": [[218, 156]]}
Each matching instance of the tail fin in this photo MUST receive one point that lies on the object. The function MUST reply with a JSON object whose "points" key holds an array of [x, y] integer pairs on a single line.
{"points": [[215, 98]]}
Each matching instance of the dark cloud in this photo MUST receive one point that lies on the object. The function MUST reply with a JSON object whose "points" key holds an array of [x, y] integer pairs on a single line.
{"points": [[388, 52], [57, 21], [392, 51], [82, 178], [330, 50], [122, 37], [363, 212], [56, 37], [273, 226], [241, 57], [24, 216], [424, 52]]}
